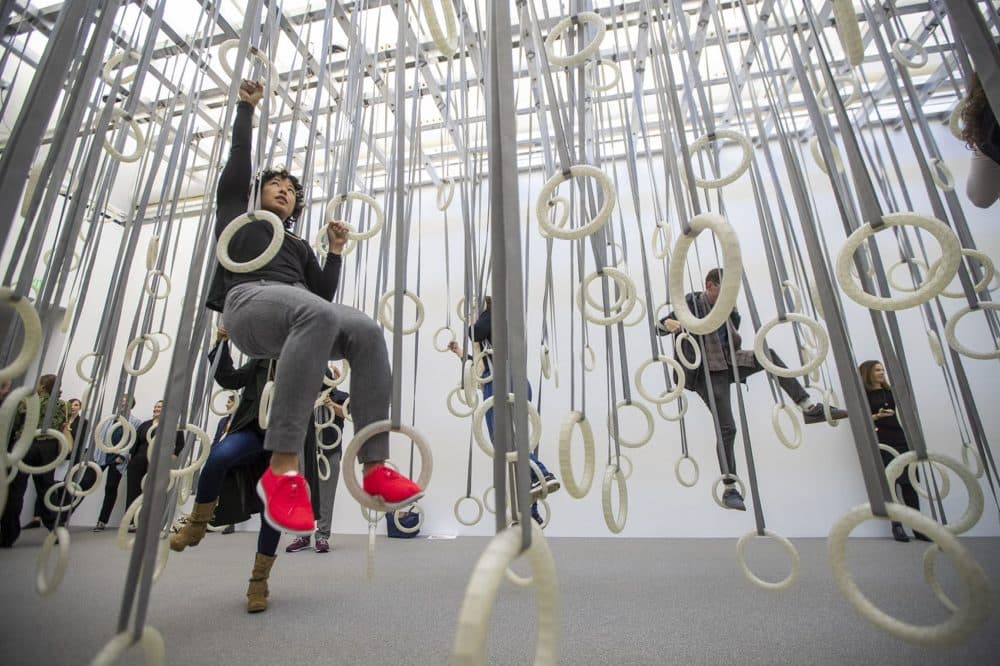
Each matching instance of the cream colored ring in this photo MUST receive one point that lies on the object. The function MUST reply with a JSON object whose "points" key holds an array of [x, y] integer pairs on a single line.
{"points": [[744, 144], [330, 447], [603, 214], [616, 524], [721, 480], [951, 256], [152, 644], [667, 396], [346, 408], [44, 583], [446, 43], [483, 440], [796, 440], [817, 303], [682, 410], [930, 556], [48, 499], [639, 313], [269, 253], [345, 370], [457, 412], [975, 507], [732, 263], [848, 30], [477, 360], [154, 348], [152, 252], [980, 468], [385, 310], [988, 272], [955, 120], [74, 488], [322, 242], [830, 401], [890, 275], [253, 52], [911, 472], [469, 384], [223, 412], [975, 606], [114, 61], [852, 83], [471, 635], [363, 198], [445, 191], [680, 478], [128, 436], [796, 293], [917, 60], [627, 468], [490, 506], [793, 554], [592, 47], [646, 436], [73, 264], [595, 65], [576, 490], [130, 516], [417, 509], [322, 467], [952, 339], [558, 205], [370, 515], [627, 289], [264, 407], [942, 175], [479, 510], [435, 338], [546, 362], [163, 347], [65, 447], [813, 363], [817, 155], [199, 462], [149, 290], [588, 353], [351, 456], [140, 140], [32, 334], [888, 449], [662, 240], [32, 417], [594, 302]]}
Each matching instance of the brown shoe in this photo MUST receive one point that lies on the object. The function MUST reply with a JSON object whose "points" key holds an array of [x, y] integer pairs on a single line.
{"points": [[193, 532], [257, 590]]}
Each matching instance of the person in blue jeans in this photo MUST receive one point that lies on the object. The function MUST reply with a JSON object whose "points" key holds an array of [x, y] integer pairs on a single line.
{"points": [[481, 332], [241, 447]]}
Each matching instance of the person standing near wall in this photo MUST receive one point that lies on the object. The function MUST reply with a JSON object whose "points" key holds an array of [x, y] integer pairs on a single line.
{"points": [[114, 464]]}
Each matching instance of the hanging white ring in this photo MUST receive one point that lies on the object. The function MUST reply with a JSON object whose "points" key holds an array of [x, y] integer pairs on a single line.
{"points": [[690, 364], [930, 556], [345, 371], [451, 339], [952, 339], [955, 120], [457, 411], [224, 412], [595, 302], [140, 140], [74, 488], [48, 499], [721, 480], [919, 54], [744, 144], [264, 407], [445, 191], [73, 264], [680, 477], [627, 297], [603, 214], [351, 456], [796, 439], [951, 256], [417, 509], [813, 363], [322, 242], [269, 253], [152, 644], [479, 510], [732, 265], [975, 507], [489, 504], [848, 30], [372, 231], [128, 436], [65, 447], [199, 462], [253, 52], [152, 252], [639, 313], [988, 271], [980, 468], [146, 285], [546, 362], [843, 79], [32, 338], [446, 43], [793, 554], [330, 447], [682, 401], [941, 175], [975, 605], [670, 394], [44, 583], [385, 311], [596, 65], [943, 490], [588, 355], [646, 436], [613, 475], [322, 467], [154, 354], [662, 240], [32, 417], [890, 275], [581, 56], [576, 490], [483, 440], [817, 155]]}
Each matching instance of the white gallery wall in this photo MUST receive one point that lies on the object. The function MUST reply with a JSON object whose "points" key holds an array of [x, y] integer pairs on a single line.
{"points": [[802, 491]]}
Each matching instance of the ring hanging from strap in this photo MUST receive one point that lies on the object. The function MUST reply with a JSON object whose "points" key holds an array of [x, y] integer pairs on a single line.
{"points": [[445, 193], [814, 362], [596, 65], [417, 509], [613, 475], [793, 554], [223, 412], [732, 264], [796, 293], [848, 30], [671, 394], [435, 338], [385, 311], [598, 303], [943, 490], [930, 557], [690, 364], [73, 264], [594, 19], [588, 354], [975, 605], [955, 120], [264, 407], [253, 52], [489, 504], [199, 462], [890, 275], [938, 279], [576, 490], [32, 417], [919, 54], [888, 449], [682, 401], [603, 214], [146, 285], [975, 507], [952, 339], [639, 313], [546, 362], [471, 636], [446, 43], [680, 477], [44, 583], [479, 510], [744, 144], [478, 361], [105, 444], [336, 443], [560, 205], [483, 440], [140, 140], [351, 456], [32, 337], [646, 436], [48, 499], [796, 440], [980, 468], [65, 448], [941, 175], [364, 198], [152, 252], [838, 164], [345, 370], [662, 240], [721, 480], [853, 97], [74, 488], [269, 253], [152, 644], [322, 467], [988, 272], [165, 346], [116, 60], [150, 343], [627, 297], [456, 411], [321, 244]]}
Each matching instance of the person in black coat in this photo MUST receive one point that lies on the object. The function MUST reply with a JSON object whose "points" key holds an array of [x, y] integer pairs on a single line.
{"points": [[145, 435]]}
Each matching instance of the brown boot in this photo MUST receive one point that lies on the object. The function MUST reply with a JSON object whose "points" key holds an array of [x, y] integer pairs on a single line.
{"points": [[257, 590], [194, 531]]}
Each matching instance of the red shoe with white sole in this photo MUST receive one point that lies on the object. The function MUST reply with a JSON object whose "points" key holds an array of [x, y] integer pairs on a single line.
{"points": [[395, 489], [286, 502]]}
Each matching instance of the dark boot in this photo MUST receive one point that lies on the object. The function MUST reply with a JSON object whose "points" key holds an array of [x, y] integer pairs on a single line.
{"points": [[898, 533], [194, 531], [257, 590]]}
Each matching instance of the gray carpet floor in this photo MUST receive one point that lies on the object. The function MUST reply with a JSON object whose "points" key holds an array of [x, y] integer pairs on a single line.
{"points": [[623, 601]]}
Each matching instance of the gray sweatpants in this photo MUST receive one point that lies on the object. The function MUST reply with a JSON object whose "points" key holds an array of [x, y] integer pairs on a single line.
{"points": [[302, 331], [328, 492], [983, 186]]}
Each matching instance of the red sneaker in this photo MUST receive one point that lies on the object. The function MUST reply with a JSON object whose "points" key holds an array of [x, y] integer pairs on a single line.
{"points": [[286, 502], [395, 489]]}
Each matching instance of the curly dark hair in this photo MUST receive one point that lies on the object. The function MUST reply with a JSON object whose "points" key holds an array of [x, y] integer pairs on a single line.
{"points": [[280, 172], [974, 107]]}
